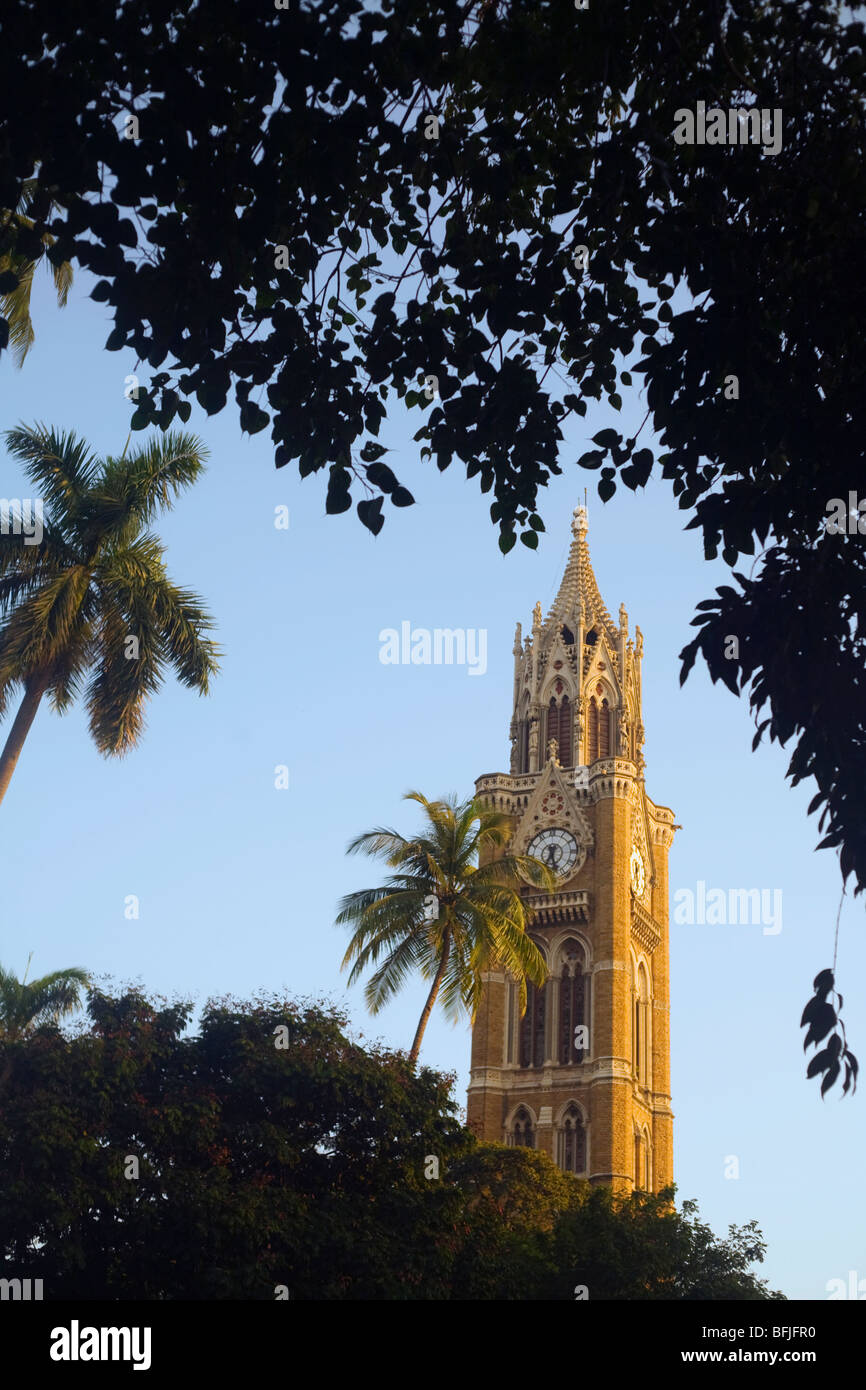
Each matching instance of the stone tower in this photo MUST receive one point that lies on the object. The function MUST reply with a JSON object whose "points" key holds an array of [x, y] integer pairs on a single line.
{"points": [[585, 1073]]}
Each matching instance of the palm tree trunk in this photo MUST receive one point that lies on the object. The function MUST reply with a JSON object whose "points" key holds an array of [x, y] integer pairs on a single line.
{"points": [[431, 999], [34, 689]]}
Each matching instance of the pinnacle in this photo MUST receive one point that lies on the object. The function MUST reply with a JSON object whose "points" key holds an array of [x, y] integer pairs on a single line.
{"points": [[579, 588]]}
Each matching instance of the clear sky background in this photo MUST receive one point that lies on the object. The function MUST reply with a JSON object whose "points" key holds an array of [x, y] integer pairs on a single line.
{"points": [[238, 882]]}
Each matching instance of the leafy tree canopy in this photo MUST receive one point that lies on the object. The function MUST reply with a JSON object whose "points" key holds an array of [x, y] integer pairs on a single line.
{"points": [[324, 207], [141, 1161]]}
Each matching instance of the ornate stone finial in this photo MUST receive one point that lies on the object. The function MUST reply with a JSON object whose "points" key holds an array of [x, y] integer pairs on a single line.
{"points": [[639, 644], [536, 616], [580, 521], [553, 752]]}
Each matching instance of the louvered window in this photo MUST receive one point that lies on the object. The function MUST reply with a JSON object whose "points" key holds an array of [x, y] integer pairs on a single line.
{"points": [[592, 732], [532, 1028], [573, 1003], [559, 723], [604, 730]]}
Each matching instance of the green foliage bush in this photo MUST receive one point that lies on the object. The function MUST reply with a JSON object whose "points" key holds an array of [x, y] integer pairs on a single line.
{"points": [[302, 1166]]}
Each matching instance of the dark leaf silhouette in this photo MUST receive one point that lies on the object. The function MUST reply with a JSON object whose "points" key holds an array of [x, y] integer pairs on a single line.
{"points": [[831, 1078], [820, 1062], [823, 1018], [823, 983]]}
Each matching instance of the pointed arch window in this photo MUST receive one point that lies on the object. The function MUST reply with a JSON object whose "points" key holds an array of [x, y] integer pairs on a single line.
{"points": [[604, 730], [523, 746], [573, 1002], [598, 729], [640, 1031], [642, 1162], [571, 1141], [532, 1027], [522, 1129], [559, 726]]}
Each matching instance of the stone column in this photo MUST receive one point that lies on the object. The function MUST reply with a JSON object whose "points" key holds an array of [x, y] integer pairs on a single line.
{"points": [[544, 1137]]}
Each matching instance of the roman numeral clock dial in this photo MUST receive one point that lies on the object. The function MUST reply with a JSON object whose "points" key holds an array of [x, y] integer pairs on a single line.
{"points": [[556, 848], [638, 873]]}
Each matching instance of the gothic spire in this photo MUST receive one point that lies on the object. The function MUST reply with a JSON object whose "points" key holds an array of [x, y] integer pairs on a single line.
{"points": [[579, 589]]}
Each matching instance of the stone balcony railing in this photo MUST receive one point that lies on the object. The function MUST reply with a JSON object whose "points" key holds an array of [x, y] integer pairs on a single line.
{"points": [[549, 908], [511, 793], [504, 782], [644, 928]]}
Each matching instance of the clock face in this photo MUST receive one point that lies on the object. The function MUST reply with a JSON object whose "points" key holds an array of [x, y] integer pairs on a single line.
{"points": [[638, 874], [555, 848]]}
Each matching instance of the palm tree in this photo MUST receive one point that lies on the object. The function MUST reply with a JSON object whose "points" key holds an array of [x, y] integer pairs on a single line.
{"points": [[15, 303], [24, 1007], [92, 601], [448, 910]]}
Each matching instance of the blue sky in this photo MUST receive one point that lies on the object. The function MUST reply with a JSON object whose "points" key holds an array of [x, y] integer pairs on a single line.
{"points": [[238, 882]]}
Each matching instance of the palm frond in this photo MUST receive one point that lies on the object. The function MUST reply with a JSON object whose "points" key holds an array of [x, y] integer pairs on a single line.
{"points": [[123, 680], [393, 973], [70, 605], [55, 995], [59, 465], [70, 666], [15, 304], [15, 307], [44, 623], [131, 490], [515, 867], [182, 621], [25, 1006], [482, 918], [382, 924], [19, 560], [380, 843], [134, 575], [62, 277], [154, 475]]}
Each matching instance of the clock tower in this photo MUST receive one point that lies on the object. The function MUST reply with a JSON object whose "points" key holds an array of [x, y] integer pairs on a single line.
{"points": [[585, 1073]]}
